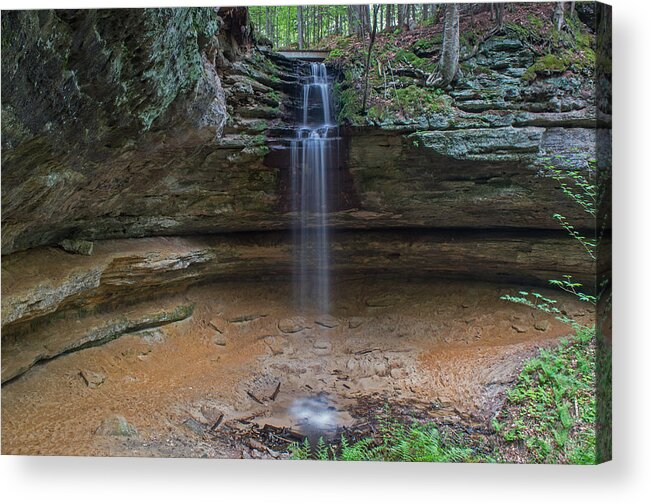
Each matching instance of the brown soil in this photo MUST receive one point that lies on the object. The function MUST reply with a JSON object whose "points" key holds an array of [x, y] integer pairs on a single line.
{"points": [[448, 349]]}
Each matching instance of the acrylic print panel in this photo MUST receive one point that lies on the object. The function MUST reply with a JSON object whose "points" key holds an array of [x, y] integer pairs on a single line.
{"points": [[366, 232]]}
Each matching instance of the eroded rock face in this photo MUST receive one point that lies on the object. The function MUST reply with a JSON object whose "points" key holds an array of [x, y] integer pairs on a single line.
{"points": [[126, 145], [54, 302], [113, 125], [107, 137]]}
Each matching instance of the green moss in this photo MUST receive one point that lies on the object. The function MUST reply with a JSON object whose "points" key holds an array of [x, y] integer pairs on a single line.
{"points": [[335, 54], [428, 44], [174, 58], [535, 22], [545, 65], [424, 64], [350, 104], [411, 102], [576, 60]]}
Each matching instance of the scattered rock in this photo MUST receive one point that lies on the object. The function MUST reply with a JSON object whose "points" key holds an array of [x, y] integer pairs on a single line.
{"points": [[257, 445], [91, 378], [81, 247], [151, 335], [382, 301], [218, 324], [248, 317], [327, 321], [219, 339], [210, 413], [276, 344], [542, 325], [519, 328], [355, 322], [397, 373], [194, 426], [381, 368], [322, 345], [293, 325], [116, 425]]}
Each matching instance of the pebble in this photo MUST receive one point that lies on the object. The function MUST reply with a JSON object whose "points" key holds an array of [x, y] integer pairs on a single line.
{"points": [[91, 378], [116, 425], [355, 322], [519, 328], [219, 339], [322, 345], [542, 325]]}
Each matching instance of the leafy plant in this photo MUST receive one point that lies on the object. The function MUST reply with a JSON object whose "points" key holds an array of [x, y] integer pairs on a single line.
{"points": [[554, 402], [551, 409], [395, 442], [580, 190]]}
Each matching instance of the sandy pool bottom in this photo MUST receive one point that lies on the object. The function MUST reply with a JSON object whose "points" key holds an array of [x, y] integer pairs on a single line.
{"points": [[246, 357]]}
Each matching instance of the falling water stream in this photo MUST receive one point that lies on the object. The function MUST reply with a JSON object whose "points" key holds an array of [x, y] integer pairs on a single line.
{"points": [[312, 155]]}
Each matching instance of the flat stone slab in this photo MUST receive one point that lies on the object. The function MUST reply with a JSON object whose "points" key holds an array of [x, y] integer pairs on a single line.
{"points": [[327, 321], [293, 325]]}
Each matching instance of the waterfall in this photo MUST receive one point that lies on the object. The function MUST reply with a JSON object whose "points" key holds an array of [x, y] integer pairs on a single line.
{"points": [[312, 156]]}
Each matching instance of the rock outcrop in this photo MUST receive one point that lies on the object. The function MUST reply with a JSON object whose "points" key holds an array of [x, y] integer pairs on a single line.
{"points": [[136, 143], [157, 140]]}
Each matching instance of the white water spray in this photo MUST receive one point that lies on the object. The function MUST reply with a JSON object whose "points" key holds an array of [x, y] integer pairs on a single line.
{"points": [[312, 154]]}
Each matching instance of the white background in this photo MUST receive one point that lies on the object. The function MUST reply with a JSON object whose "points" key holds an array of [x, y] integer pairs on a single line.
{"points": [[626, 479]]}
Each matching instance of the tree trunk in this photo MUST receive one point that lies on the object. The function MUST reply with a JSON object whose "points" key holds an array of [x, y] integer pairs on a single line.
{"points": [[351, 22], [449, 63], [376, 7], [267, 22], [559, 15], [388, 15], [401, 15], [499, 15], [299, 22]]}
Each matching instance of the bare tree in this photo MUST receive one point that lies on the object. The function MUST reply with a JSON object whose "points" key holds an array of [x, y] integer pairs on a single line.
{"points": [[448, 66]]}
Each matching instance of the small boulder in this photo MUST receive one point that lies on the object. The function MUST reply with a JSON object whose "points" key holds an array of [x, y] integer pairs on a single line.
{"points": [[276, 344], [355, 322], [194, 426], [151, 336], [91, 378], [519, 328], [116, 425], [218, 324], [322, 345], [219, 339], [81, 247], [542, 325], [293, 325], [327, 321]]}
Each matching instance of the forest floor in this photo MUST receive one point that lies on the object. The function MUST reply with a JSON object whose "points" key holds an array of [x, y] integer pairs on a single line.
{"points": [[245, 377]]}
